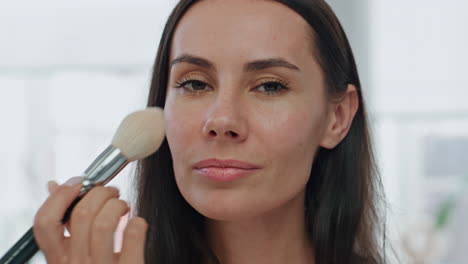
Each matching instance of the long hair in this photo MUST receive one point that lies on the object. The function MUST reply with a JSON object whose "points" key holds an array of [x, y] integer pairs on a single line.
{"points": [[343, 194]]}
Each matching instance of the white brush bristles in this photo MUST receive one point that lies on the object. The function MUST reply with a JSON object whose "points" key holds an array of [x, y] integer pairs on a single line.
{"points": [[140, 134]]}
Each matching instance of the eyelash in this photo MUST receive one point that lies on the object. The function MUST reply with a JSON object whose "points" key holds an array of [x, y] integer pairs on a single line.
{"points": [[283, 85]]}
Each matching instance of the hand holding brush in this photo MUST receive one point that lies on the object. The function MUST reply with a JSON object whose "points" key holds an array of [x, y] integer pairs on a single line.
{"points": [[90, 210]]}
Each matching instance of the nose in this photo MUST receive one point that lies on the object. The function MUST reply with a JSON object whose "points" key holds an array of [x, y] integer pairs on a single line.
{"points": [[225, 122]]}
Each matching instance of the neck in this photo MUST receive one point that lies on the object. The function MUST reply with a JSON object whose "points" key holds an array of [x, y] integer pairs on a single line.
{"points": [[278, 236]]}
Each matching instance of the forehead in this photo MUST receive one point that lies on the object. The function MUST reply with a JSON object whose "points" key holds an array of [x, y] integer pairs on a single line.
{"points": [[242, 29]]}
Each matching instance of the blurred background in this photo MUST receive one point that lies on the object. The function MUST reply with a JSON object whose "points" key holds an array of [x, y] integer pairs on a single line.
{"points": [[71, 70]]}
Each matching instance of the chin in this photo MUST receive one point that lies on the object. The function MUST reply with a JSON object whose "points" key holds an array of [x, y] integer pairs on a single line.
{"points": [[223, 205], [224, 214]]}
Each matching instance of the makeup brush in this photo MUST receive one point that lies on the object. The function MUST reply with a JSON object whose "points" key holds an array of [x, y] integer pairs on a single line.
{"points": [[139, 135]]}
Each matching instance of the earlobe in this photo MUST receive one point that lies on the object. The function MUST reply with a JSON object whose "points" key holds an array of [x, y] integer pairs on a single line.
{"points": [[341, 117]]}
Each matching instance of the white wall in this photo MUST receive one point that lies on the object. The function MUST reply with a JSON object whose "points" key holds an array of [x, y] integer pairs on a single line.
{"points": [[419, 55], [38, 34]]}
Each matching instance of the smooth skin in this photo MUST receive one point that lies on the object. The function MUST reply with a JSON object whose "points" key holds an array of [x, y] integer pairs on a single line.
{"points": [[92, 225]]}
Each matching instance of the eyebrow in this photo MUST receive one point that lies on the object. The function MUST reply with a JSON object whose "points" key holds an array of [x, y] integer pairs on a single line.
{"points": [[252, 66]]}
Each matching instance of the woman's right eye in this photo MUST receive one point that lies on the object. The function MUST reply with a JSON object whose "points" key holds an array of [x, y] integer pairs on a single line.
{"points": [[192, 85]]}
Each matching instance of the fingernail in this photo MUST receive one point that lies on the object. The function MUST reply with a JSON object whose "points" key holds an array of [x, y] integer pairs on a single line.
{"points": [[51, 184], [74, 181], [115, 188]]}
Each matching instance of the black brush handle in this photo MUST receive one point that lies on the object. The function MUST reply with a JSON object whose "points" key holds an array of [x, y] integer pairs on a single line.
{"points": [[26, 247], [22, 251]]}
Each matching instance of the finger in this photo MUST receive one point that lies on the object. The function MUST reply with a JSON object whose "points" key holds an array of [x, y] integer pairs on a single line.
{"points": [[103, 228], [83, 216], [48, 228], [134, 240]]}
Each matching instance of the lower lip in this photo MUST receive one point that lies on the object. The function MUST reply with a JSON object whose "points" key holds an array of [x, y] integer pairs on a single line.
{"points": [[224, 174]]}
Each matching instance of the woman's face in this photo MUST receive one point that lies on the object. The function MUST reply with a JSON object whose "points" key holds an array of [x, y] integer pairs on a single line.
{"points": [[243, 86]]}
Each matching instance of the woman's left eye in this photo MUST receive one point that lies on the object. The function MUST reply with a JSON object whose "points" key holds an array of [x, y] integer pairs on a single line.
{"points": [[271, 87]]}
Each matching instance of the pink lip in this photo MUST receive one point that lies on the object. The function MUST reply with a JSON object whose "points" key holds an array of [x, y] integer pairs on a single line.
{"points": [[224, 170]]}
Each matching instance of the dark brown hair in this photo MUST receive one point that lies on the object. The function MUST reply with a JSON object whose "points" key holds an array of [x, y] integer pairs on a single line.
{"points": [[343, 195]]}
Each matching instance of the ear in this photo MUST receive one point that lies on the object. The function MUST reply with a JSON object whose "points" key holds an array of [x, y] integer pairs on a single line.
{"points": [[340, 118]]}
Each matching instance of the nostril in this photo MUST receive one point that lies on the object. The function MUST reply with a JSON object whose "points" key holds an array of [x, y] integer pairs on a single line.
{"points": [[233, 134], [212, 133]]}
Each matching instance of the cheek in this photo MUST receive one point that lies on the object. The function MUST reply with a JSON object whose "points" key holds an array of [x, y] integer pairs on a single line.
{"points": [[290, 141], [292, 134], [180, 126]]}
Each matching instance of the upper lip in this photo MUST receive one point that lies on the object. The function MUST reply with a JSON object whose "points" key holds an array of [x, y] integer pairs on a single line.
{"points": [[218, 163]]}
